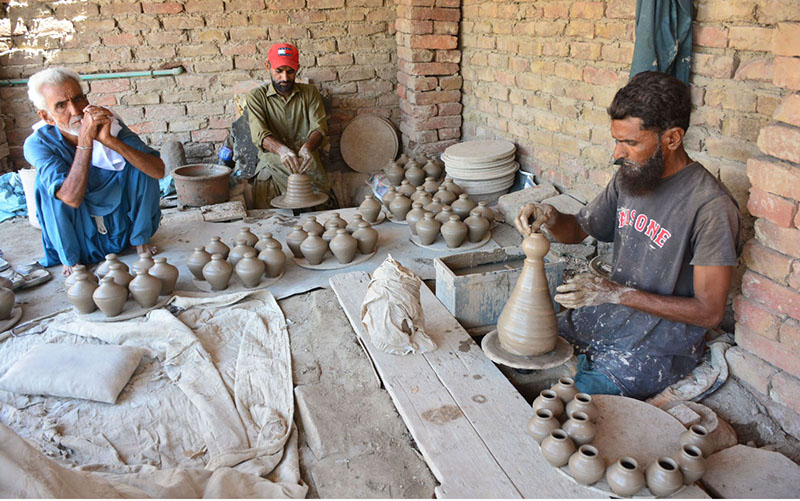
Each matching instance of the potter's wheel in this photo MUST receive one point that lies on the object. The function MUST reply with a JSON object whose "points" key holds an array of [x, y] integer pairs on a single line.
{"points": [[235, 284], [11, 321], [440, 245], [329, 262], [317, 199], [131, 310], [560, 354]]}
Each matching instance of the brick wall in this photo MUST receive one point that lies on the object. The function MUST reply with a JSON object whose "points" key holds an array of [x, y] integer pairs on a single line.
{"points": [[347, 48]]}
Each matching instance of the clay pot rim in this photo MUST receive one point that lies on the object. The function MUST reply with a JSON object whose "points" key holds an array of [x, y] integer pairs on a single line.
{"points": [[547, 394], [583, 398], [692, 451], [145, 255], [544, 413], [111, 256], [667, 463], [559, 434], [566, 381], [218, 256], [249, 254], [699, 430], [628, 463], [589, 451], [580, 416]]}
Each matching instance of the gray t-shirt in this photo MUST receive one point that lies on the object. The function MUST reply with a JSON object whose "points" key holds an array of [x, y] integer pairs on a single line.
{"points": [[690, 219]]}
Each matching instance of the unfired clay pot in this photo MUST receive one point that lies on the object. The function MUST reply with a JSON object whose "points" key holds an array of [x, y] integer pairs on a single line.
{"points": [[165, 272], [548, 399], [262, 242], [343, 246], [196, 261], [690, 461], [454, 232], [246, 235], [8, 284], [557, 448], [415, 175], [418, 193], [444, 196], [312, 224], [120, 275], [104, 267], [582, 402], [329, 234], [394, 173], [144, 287], [250, 269], [402, 160], [443, 215], [145, 261], [432, 169], [431, 186], [485, 211], [238, 251], [274, 259], [367, 238], [217, 246], [586, 465], [452, 187], [218, 272], [80, 294], [414, 216], [527, 325], [352, 226], [463, 206], [625, 477], [663, 477], [110, 297], [335, 221], [6, 302], [412, 163], [77, 271], [314, 248], [477, 225], [580, 429], [434, 207], [427, 229], [541, 424], [406, 189], [565, 389], [697, 435], [369, 209], [295, 239], [391, 192], [400, 207]]}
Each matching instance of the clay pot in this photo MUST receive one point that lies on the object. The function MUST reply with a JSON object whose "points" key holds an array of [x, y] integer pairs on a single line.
{"points": [[444, 196], [250, 269], [367, 238], [165, 272], [432, 170], [443, 215], [565, 389], [274, 259], [144, 287], [352, 226], [238, 251], [697, 435], [431, 186], [104, 267], [329, 235], [369, 209], [428, 229], [343, 246], [664, 477], [196, 261], [477, 226], [217, 246], [580, 429], [77, 271], [8, 284], [335, 221], [586, 465], [145, 261], [394, 173], [463, 206], [6, 302], [218, 272], [391, 192], [80, 294], [110, 297], [294, 239], [582, 402], [557, 448], [548, 399], [454, 232], [262, 243], [690, 461], [541, 424], [414, 216], [246, 235], [402, 160], [120, 275], [415, 175], [312, 224], [624, 477], [314, 248], [452, 187], [434, 207], [411, 164], [406, 189], [400, 207], [420, 193], [485, 211]]}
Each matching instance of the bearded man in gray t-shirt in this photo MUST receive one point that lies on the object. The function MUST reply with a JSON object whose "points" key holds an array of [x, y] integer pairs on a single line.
{"points": [[675, 230]]}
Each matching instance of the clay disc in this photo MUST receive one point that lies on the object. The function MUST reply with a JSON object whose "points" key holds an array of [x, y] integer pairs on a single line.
{"points": [[131, 310], [11, 321], [318, 199], [368, 143], [560, 354], [440, 245], [235, 284], [482, 151], [331, 263]]}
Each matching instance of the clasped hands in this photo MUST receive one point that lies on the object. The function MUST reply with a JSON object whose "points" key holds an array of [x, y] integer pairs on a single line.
{"points": [[297, 163], [95, 124]]}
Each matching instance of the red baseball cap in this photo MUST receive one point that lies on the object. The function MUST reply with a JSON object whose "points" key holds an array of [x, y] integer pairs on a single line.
{"points": [[283, 54]]}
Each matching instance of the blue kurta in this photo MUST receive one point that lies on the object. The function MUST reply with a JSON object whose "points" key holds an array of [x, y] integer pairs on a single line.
{"points": [[127, 201]]}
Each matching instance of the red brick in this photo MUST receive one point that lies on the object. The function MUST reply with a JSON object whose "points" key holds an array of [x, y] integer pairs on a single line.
{"points": [[416, 27], [774, 208], [712, 65], [787, 40], [115, 9], [105, 100], [600, 76], [568, 71], [780, 141], [447, 109], [415, 55], [162, 8], [789, 335], [238, 49], [436, 123], [306, 16], [433, 42], [766, 261], [768, 349], [149, 127], [786, 391], [710, 36], [450, 133], [789, 110], [784, 240], [750, 38], [749, 368], [556, 10], [781, 298], [434, 97], [445, 28], [204, 6], [794, 278], [625, 9], [450, 82], [428, 68], [182, 23], [731, 10], [122, 40], [617, 53], [587, 10], [209, 135], [786, 72], [112, 85], [775, 177], [755, 69], [247, 5]]}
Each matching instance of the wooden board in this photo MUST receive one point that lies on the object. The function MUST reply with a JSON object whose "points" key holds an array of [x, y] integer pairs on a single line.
{"points": [[466, 417]]}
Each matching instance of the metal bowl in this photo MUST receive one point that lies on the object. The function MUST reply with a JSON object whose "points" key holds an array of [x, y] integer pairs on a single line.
{"points": [[202, 184]]}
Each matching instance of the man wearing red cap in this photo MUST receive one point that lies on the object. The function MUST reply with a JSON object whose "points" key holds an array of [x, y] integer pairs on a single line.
{"points": [[288, 124]]}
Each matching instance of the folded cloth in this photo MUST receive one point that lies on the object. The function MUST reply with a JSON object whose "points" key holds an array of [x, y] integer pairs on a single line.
{"points": [[103, 157]]}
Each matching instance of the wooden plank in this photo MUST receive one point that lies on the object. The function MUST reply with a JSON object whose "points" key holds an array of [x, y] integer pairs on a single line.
{"points": [[226, 211], [453, 450]]}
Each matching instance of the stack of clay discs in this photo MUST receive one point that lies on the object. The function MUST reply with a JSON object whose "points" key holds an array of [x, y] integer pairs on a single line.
{"points": [[368, 143], [299, 194], [482, 167]]}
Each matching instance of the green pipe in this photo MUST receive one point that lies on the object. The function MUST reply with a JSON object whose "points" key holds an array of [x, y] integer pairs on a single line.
{"points": [[105, 76]]}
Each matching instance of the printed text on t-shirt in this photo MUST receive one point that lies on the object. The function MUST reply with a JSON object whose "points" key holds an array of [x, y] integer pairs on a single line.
{"points": [[643, 224]]}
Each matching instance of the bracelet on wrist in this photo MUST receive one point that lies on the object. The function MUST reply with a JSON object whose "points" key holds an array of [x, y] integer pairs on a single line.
{"points": [[79, 147]]}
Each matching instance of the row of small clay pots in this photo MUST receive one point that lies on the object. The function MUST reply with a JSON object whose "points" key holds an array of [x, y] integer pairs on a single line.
{"points": [[398, 171], [251, 258], [446, 194], [455, 233], [343, 239]]}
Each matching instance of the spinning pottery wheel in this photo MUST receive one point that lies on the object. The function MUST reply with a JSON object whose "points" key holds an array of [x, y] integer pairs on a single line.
{"points": [[299, 194]]}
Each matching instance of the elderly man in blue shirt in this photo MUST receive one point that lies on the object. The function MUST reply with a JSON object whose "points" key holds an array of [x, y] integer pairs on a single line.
{"points": [[96, 181]]}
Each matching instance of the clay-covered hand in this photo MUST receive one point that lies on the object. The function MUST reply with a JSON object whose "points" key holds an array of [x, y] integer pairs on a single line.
{"points": [[589, 290], [289, 159], [532, 217], [306, 158]]}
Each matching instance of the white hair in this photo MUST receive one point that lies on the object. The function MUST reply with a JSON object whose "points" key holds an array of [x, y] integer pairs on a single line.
{"points": [[50, 76]]}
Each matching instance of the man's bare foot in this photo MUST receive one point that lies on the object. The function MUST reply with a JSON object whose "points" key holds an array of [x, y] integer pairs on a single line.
{"points": [[67, 270], [152, 249]]}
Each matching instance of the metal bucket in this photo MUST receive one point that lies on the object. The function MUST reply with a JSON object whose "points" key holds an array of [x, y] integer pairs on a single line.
{"points": [[202, 184]]}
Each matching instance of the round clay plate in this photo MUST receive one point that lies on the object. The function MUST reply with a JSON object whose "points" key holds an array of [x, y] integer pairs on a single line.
{"points": [[11, 321], [381, 218], [482, 151], [318, 199], [131, 310], [368, 143], [393, 219], [560, 354], [331, 263], [440, 245], [630, 427], [235, 284]]}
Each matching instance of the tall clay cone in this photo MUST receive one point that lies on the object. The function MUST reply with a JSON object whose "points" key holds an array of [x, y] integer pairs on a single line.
{"points": [[527, 325]]}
